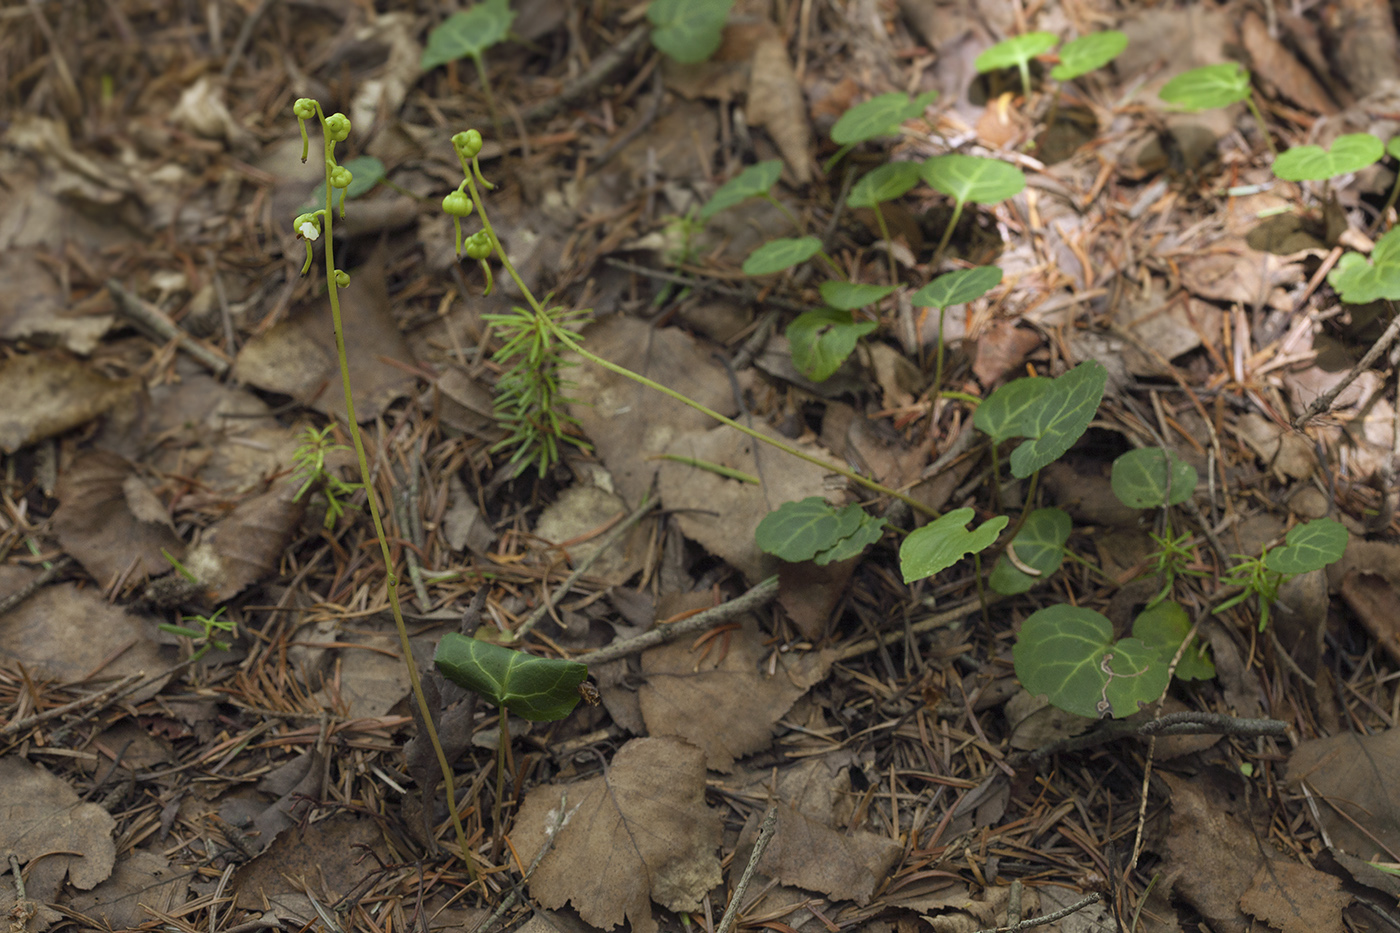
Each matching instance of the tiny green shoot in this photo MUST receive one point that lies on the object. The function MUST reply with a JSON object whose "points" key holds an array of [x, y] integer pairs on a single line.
{"points": [[468, 34], [1017, 53], [689, 31], [967, 178]]}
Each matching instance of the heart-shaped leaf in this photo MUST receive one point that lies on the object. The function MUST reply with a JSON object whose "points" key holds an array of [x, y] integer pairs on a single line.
{"points": [[777, 255], [1068, 654], [1088, 53], [889, 181], [538, 689], [1151, 477], [1017, 52], [754, 181], [1006, 413], [944, 541], [879, 116], [1309, 546], [1350, 153], [1207, 88], [1163, 628], [847, 296], [367, 171], [468, 33], [1359, 281], [1039, 545], [1062, 417], [967, 178], [797, 531], [955, 288], [822, 339], [688, 30]]}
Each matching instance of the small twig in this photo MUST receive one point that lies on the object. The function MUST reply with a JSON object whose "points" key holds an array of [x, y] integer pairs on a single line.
{"points": [[1048, 918], [1325, 400], [96, 700], [33, 586], [603, 65], [153, 320], [1187, 722], [770, 822]]}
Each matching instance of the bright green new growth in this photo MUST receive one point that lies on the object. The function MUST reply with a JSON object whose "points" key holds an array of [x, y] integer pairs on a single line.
{"points": [[468, 34], [1307, 547], [944, 541], [203, 637], [533, 688], [1088, 53], [848, 296], [1053, 413], [1143, 480], [756, 181], [1358, 281], [822, 339], [1038, 546], [889, 181], [1207, 88], [879, 116], [811, 529], [1350, 153], [778, 255], [689, 31], [967, 178], [954, 288], [1017, 53], [310, 460]]}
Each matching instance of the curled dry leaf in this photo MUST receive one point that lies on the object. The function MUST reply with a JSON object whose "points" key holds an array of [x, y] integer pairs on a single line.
{"points": [[811, 855], [49, 393], [776, 104], [108, 521], [246, 545]]}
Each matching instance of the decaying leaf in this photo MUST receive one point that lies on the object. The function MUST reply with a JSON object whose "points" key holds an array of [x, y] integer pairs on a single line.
{"points": [[776, 103], [1215, 853], [811, 855], [1296, 898], [48, 393], [105, 519], [52, 831], [245, 546], [1354, 774]]}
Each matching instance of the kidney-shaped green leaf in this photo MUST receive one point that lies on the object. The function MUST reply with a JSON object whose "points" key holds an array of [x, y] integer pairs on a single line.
{"points": [[885, 183], [797, 531], [1016, 51], [822, 339], [467, 33], [1039, 545], [752, 182], [1061, 417], [1088, 53], [1163, 628], [973, 178], [944, 541], [777, 255], [1208, 87], [1350, 153], [538, 689], [1151, 477], [959, 287], [1068, 654], [688, 30], [847, 296], [1006, 413], [878, 116], [1309, 546], [1359, 281]]}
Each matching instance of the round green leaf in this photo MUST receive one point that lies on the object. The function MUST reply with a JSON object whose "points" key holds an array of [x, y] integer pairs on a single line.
{"points": [[1309, 546], [822, 339], [1359, 281], [1061, 418], [1207, 88], [1392, 148], [777, 255], [944, 541], [973, 178], [688, 30], [1163, 628], [878, 116], [1040, 545], [955, 288], [538, 689], [1088, 53], [1350, 153], [847, 296], [1141, 478], [797, 531], [1016, 51], [1007, 412], [467, 33], [1068, 654], [867, 533], [889, 181], [752, 182], [368, 172]]}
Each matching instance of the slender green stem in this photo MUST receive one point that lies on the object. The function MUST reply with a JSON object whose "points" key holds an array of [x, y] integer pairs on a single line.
{"points": [[490, 98], [938, 360], [1024, 67], [502, 740], [948, 233], [792, 218], [960, 396], [1263, 129], [1025, 509], [889, 244], [822, 254]]}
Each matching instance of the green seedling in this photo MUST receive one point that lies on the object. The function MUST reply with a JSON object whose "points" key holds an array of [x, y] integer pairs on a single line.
{"points": [[954, 288], [781, 254], [1034, 554], [1359, 281], [203, 637], [468, 34], [812, 529], [310, 460], [849, 296], [967, 178], [881, 115], [756, 181], [689, 31], [1053, 413], [1151, 478], [822, 339], [1088, 53], [1350, 153], [1212, 87], [943, 542], [1307, 547], [886, 183], [1017, 53]]}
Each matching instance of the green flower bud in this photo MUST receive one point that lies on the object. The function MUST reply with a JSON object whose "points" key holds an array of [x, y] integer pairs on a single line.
{"points": [[341, 177], [338, 127], [342, 278], [468, 143], [458, 204], [304, 108], [478, 245]]}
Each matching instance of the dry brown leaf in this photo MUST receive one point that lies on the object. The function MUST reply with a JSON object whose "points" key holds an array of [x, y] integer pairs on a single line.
{"points": [[809, 593], [639, 833], [1354, 774], [48, 393], [1296, 898], [1288, 453], [326, 858], [96, 523], [140, 880], [246, 545], [776, 103], [1373, 598], [1272, 61], [1213, 853], [32, 305], [1001, 348], [53, 832], [581, 511], [810, 855]]}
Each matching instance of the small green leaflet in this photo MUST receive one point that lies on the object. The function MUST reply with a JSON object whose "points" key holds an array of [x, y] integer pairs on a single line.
{"points": [[538, 689], [688, 30], [1309, 546], [889, 181], [811, 529], [1392, 148], [1350, 153], [1088, 53], [1140, 478], [848, 296], [967, 178], [1359, 281], [944, 541], [1163, 628], [822, 339], [1068, 653], [879, 116], [1017, 53], [777, 255], [367, 171], [1207, 88], [956, 288], [1053, 413], [1040, 545], [754, 181], [468, 33]]}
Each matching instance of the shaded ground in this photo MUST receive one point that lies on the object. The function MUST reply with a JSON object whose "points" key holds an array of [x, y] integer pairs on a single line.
{"points": [[163, 357]]}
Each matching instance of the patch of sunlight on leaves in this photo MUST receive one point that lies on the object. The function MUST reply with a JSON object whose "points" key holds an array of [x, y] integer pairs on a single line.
{"points": [[1207, 88]]}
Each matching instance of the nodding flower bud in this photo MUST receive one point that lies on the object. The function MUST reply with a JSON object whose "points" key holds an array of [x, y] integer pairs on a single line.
{"points": [[342, 278], [478, 245], [468, 143], [338, 127], [307, 226], [304, 108], [341, 177], [458, 204]]}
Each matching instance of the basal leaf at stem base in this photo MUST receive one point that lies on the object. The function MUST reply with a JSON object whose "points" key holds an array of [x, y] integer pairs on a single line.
{"points": [[967, 178], [1359, 281], [957, 287], [1207, 88], [1061, 417], [1015, 52], [1309, 546], [752, 182], [534, 688], [885, 183], [1141, 478], [1068, 654], [822, 339], [879, 116], [1349, 153], [777, 255], [1088, 53], [797, 531], [467, 33], [688, 30], [848, 296], [944, 541], [1040, 545], [1163, 628], [1008, 411]]}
